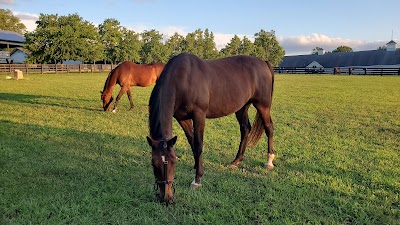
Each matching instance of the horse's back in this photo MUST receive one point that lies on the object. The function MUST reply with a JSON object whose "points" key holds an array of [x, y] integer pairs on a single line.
{"points": [[219, 87], [142, 75]]}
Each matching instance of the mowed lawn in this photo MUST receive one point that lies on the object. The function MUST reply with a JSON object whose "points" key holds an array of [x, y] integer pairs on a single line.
{"points": [[65, 161]]}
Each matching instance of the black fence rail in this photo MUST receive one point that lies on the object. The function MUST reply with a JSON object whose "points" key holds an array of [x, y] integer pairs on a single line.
{"points": [[340, 70], [56, 68]]}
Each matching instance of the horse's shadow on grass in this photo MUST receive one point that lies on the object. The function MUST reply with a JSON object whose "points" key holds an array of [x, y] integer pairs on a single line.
{"points": [[56, 101], [74, 165]]}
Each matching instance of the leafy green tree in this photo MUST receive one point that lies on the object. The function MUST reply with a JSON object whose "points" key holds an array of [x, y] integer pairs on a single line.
{"points": [[233, 47], [247, 47], [209, 47], [11, 22], [343, 49], [153, 50], [382, 48], [316, 49], [194, 43], [59, 38], [267, 47], [174, 44], [111, 35], [129, 46]]}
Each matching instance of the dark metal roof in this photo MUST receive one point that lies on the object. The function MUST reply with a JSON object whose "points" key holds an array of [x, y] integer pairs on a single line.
{"points": [[6, 35], [10, 39], [345, 59]]}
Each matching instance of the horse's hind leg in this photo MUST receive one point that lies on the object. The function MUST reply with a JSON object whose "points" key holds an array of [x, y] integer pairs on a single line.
{"points": [[265, 113], [121, 92], [245, 127], [128, 92]]}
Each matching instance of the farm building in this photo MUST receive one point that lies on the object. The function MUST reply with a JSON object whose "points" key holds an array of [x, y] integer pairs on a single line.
{"points": [[10, 40], [18, 55], [361, 61]]}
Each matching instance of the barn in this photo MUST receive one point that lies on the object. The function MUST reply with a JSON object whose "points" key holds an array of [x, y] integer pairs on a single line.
{"points": [[9, 40], [350, 62]]}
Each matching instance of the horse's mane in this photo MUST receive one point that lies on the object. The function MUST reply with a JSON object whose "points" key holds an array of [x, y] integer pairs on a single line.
{"points": [[154, 105], [108, 80]]}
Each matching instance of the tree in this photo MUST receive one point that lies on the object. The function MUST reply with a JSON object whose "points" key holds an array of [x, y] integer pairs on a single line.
{"points": [[129, 46], [209, 47], [194, 43], [110, 32], [247, 47], [343, 49], [59, 38], [153, 50], [11, 22], [232, 48], [268, 48], [382, 48], [174, 44], [316, 49]]}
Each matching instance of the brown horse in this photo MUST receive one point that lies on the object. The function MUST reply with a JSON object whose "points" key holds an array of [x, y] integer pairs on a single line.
{"points": [[190, 90], [129, 74]]}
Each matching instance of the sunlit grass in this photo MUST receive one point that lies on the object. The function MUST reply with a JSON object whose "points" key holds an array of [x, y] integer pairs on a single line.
{"points": [[64, 160]]}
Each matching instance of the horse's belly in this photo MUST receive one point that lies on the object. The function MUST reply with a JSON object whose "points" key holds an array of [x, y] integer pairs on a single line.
{"points": [[223, 109]]}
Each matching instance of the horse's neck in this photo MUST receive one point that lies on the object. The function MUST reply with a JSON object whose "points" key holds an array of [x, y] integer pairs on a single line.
{"points": [[110, 82], [163, 116]]}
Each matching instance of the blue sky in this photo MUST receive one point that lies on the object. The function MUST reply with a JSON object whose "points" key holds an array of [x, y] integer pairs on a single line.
{"points": [[299, 26]]}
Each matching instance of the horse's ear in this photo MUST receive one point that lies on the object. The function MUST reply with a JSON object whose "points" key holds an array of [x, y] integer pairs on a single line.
{"points": [[149, 140], [172, 141]]}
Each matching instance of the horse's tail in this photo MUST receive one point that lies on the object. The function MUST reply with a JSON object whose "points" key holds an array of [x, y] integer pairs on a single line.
{"points": [[258, 127]]}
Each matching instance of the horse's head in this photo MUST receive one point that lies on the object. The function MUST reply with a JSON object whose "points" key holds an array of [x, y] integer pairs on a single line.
{"points": [[163, 160], [107, 100]]}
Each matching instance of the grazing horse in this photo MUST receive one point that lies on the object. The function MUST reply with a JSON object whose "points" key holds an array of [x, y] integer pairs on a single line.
{"points": [[190, 90], [129, 74]]}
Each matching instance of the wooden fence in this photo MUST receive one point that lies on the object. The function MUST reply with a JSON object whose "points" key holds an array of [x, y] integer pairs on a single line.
{"points": [[56, 68], [93, 68], [340, 70]]}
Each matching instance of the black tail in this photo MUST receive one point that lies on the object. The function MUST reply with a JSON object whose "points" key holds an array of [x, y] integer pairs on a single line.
{"points": [[258, 127]]}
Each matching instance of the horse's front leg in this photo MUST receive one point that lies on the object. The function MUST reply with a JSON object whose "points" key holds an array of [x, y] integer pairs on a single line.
{"points": [[121, 92], [198, 125], [188, 129]]}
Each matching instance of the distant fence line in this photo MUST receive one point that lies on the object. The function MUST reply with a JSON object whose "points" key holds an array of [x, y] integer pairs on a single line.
{"points": [[340, 70], [56, 68], [93, 68]]}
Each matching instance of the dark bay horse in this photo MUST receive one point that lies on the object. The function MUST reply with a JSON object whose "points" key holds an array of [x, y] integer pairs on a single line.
{"points": [[129, 74], [190, 90]]}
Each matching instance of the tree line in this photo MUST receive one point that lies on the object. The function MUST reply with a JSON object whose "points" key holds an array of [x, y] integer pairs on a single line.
{"points": [[70, 37]]}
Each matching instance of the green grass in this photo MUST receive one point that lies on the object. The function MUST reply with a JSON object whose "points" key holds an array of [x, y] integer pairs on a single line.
{"points": [[65, 161]]}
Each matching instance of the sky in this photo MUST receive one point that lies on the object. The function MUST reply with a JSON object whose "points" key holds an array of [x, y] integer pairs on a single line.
{"points": [[299, 25]]}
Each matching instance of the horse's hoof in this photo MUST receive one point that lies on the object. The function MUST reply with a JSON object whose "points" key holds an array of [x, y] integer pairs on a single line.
{"points": [[233, 166], [270, 167], [194, 185], [114, 111]]}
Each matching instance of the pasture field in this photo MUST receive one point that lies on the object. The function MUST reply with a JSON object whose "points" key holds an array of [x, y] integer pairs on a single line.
{"points": [[65, 161]]}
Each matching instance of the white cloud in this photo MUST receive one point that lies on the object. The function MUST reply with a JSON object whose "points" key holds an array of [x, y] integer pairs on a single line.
{"points": [[7, 2], [293, 45], [298, 45], [29, 19]]}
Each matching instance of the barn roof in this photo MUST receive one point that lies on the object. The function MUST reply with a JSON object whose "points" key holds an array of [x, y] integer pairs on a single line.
{"points": [[345, 59], [11, 39]]}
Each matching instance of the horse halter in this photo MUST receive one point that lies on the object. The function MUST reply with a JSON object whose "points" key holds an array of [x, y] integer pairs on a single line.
{"points": [[165, 181]]}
